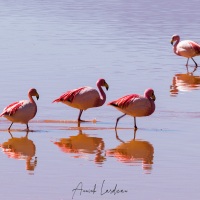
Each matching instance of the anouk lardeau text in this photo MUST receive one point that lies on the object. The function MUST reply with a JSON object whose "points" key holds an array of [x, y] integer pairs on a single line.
{"points": [[103, 189]]}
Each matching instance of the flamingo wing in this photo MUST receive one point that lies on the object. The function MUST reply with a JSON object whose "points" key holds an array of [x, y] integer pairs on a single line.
{"points": [[195, 46], [69, 95], [12, 108], [123, 102]]}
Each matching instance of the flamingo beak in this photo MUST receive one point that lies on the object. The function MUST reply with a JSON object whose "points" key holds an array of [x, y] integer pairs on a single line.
{"points": [[172, 42], [106, 86], [153, 97], [37, 96]]}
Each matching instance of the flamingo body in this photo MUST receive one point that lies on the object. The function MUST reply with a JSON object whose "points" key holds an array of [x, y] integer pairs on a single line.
{"points": [[78, 98], [186, 48], [135, 105], [22, 111], [84, 98], [16, 112]]}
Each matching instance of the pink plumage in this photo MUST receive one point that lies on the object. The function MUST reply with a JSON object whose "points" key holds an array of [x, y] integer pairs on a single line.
{"points": [[22, 111], [69, 95], [84, 98], [135, 105], [186, 48]]}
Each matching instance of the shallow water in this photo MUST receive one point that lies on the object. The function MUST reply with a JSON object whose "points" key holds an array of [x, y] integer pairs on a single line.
{"points": [[62, 45]]}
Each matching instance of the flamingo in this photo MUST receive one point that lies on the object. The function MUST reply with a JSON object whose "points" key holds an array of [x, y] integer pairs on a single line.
{"points": [[84, 97], [135, 105], [22, 111], [186, 48]]}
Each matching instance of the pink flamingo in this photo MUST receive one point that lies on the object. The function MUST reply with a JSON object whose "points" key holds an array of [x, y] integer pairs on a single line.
{"points": [[84, 97], [22, 111], [186, 48], [135, 105]]}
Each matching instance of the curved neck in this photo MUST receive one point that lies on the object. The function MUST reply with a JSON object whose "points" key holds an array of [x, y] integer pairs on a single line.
{"points": [[102, 96], [152, 106], [32, 101], [152, 109], [176, 43]]}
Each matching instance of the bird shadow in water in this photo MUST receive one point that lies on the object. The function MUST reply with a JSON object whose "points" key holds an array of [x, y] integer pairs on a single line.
{"points": [[184, 83], [83, 145], [133, 152], [21, 149]]}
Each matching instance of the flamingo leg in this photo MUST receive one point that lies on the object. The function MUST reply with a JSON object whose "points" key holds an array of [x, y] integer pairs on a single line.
{"points": [[195, 64], [79, 116], [187, 61], [10, 126], [118, 120], [27, 127], [135, 127]]}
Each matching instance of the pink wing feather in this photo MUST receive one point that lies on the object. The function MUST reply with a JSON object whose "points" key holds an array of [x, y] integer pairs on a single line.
{"points": [[69, 95], [124, 101], [11, 109], [195, 46]]}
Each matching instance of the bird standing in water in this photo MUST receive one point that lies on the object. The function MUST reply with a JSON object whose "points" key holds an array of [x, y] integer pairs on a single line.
{"points": [[135, 105], [84, 97], [22, 111], [186, 48]]}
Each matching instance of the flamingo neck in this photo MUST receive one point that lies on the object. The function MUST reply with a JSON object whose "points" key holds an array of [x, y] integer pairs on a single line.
{"points": [[152, 104], [102, 96], [31, 99], [176, 43], [33, 102]]}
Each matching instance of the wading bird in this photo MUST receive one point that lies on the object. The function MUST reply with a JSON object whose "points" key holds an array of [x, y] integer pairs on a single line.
{"points": [[186, 48], [84, 97], [135, 105], [22, 111]]}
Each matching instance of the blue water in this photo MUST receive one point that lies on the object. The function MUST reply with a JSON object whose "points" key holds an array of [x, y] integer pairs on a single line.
{"points": [[62, 45]]}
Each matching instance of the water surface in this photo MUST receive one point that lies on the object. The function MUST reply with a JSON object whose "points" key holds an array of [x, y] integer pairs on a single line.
{"points": [[62, 45]]}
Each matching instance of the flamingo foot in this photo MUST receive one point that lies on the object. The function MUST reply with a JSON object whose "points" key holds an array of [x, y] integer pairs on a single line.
{"points": [[80, 120]]}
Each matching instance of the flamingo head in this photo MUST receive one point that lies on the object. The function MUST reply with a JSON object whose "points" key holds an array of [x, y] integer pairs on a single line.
{"points": [[33, 92], [149, 93], [101, 82], [175, 38]]}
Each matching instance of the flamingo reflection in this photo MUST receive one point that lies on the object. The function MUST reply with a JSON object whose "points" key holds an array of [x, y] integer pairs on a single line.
{"points": [[83, 146], [134, 152], [184, 82], [21, 149]]}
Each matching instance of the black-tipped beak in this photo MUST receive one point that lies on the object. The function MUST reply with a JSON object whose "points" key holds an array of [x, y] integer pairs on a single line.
{"points": [[37, 97], [106, 86], [172, 42], [153, 97]]}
